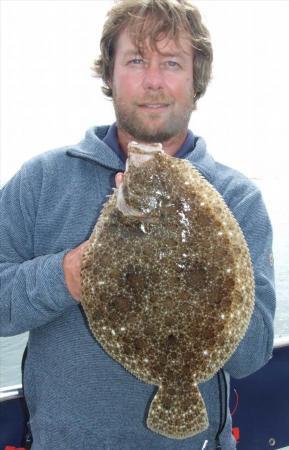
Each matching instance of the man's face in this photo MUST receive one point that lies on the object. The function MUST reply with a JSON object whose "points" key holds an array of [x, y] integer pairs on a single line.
{"points": [[153, 93]]}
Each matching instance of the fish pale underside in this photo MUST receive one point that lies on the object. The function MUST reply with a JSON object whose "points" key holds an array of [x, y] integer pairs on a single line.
{"points": [[167, 284]]}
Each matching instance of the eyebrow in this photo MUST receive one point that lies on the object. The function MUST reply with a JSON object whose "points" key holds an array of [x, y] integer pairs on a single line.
{"points": [[131, 52], [177, 54]]}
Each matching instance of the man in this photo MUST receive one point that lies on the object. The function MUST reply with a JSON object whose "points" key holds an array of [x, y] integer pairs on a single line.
{"points": [[155, 63]]}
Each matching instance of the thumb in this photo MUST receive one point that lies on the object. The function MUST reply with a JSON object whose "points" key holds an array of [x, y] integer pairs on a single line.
{"points": [[118, 179]]}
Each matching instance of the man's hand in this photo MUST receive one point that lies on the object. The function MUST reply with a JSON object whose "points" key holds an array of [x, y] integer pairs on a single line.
{"points": [[118, 179], [71, 268], [72, 260]]}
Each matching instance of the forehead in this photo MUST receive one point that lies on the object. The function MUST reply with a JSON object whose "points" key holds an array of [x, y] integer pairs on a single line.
{"points": [[182, 46]]}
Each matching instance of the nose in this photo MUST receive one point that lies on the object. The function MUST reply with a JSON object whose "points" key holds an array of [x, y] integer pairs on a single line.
{"points": [[153, 77]]}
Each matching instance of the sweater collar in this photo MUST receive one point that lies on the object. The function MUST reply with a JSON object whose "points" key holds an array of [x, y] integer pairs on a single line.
{"points": [[93, 148]]}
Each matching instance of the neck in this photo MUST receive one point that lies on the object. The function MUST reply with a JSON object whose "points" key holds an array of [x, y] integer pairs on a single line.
{"points": [[171, 146]]}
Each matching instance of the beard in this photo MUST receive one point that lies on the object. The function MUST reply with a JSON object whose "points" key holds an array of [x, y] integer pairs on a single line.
{"points": [[152, 127]]}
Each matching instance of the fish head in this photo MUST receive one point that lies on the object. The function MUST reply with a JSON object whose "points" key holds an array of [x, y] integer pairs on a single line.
{"points": [[143, 192]]}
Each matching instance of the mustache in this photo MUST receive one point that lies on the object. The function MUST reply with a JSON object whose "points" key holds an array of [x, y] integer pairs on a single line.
{"points": [[154, 98]]}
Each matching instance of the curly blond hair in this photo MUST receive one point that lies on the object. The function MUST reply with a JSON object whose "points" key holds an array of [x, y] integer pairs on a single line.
{"points": [[153, 20]]}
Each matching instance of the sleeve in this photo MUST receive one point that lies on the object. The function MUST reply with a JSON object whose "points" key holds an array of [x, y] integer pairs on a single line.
{"points": [[255, 349], [32, 288]]}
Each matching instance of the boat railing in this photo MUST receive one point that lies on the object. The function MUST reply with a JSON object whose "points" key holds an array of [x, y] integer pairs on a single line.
{"points": [[11, 392], [281, 342]]}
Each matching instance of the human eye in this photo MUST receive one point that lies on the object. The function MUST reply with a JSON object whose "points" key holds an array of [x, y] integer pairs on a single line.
{"points": [[173, 64], [135, 61]]}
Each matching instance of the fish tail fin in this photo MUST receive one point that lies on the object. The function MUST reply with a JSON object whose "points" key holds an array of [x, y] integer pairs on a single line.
{"points": [[178, 413]]}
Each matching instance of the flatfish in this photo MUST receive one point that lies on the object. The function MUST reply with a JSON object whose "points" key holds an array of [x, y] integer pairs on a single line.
{"points": [[167, 284]]}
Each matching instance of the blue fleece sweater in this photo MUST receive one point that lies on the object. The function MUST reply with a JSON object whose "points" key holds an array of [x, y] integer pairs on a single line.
{"points": [[78, 396]]}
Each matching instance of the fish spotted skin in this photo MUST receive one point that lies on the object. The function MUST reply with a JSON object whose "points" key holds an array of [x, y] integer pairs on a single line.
{"points": [[167, 284]]}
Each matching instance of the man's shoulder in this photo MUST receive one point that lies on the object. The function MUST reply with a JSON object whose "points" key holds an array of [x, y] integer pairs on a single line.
{"points": [[234, 185], [229, 175], [231, 183], [45, 157], [58, 155]]}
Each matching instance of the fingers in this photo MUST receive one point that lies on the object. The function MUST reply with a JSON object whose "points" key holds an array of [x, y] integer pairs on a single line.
{"points": [[118, 179], [71, 269], [72, 260]]}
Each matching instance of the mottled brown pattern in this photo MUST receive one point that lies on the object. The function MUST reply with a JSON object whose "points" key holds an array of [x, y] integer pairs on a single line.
{"points": [[167, 284]]}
